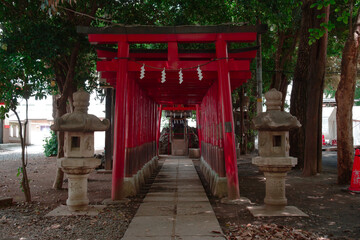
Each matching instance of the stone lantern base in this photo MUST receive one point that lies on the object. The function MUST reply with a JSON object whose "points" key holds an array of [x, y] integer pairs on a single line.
{"points": [[78, 170], [273, 211], [275, 170]]}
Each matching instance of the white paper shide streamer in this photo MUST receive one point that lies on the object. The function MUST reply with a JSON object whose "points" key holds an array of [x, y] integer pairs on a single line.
{"points": [[199, 72], [142, 71], [180, 76], [163, 76]]}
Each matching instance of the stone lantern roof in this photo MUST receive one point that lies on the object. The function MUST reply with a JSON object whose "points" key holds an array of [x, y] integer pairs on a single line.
{"points": [[274, 119], [80, 120]]}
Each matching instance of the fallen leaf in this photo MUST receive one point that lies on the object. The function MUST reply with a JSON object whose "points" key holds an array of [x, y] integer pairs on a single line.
{"points": [[55, 226]]}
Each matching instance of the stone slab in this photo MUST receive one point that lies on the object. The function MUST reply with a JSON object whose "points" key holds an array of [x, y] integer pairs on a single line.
{"points": [[160, 194], [63, 210], [191, 186], [156, 209], [197, 226], [189, 190], [159, 199], [109, 201], [156, 188], [176, 207], [147, 226], [212, 237], [194, 208], [288, 211], [193, 195], [193, 198], [146, 238]]}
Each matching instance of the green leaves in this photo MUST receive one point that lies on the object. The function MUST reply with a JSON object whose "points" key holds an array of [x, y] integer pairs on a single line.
{"points": [[21, 77], [344, 17], [317, 33], [322, 3], [51, 145], [19, 171]]}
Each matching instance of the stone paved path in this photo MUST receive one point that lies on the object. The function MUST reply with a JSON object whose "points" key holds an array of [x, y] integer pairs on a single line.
{"points": [[176, 207]]}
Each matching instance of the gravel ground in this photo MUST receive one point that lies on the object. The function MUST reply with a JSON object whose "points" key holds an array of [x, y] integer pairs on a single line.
{"points": [[13, 152], [28, 221], [333, 213]]}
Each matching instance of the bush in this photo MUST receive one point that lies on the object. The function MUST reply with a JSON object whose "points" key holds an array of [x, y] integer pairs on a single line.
{"points": [[51, 145]]}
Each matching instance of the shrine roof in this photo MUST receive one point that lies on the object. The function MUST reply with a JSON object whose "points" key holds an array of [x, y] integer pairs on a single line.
{"points": [[184, 29]]}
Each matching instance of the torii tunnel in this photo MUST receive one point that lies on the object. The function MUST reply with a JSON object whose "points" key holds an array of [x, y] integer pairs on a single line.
{"points": [[140, 99]]}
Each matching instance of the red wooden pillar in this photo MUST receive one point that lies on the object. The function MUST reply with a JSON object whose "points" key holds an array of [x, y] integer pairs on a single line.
{"points": [[142, 133], [222, 172], [158, 129], [120, 121], [141, 130], [227, 120], [129, 130], [152, 124], [154, 136], [146, 116], [127, 134], [212, 112], [137, 130], [198, 121], [148, 113]]}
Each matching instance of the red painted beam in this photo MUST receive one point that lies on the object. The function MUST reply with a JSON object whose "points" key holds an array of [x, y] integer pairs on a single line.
{"points": [[108, 75], [156, 56], [103, 54], [164, 38], [152, 80], [177, 101], [179, 108], [158, 66]]}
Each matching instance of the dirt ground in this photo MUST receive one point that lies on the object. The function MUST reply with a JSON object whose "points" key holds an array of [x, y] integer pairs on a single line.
{"points": [[333, 213], [28, 221]]}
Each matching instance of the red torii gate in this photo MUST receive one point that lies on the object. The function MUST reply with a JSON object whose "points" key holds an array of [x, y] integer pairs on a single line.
{"points": [[139, 101]]}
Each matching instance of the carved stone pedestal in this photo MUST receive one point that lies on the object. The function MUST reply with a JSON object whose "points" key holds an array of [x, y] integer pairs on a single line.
{"points": [[275, 170], [77, 170]]}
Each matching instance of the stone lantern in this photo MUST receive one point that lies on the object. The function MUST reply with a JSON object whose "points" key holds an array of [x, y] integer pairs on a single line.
{"points": [[79, 161], [274, 160]]}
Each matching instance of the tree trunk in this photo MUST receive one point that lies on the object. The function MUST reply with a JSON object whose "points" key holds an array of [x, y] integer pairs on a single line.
{"points": [[345, 101], [1, 131], [108, 137], [306, 96], [24, 178], [280, 82], [283, 55], [61, 109], [243, 143]]}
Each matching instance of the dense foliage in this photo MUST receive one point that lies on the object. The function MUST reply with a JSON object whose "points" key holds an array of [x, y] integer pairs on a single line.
{"points": [[42, 53], [51, 145]]}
